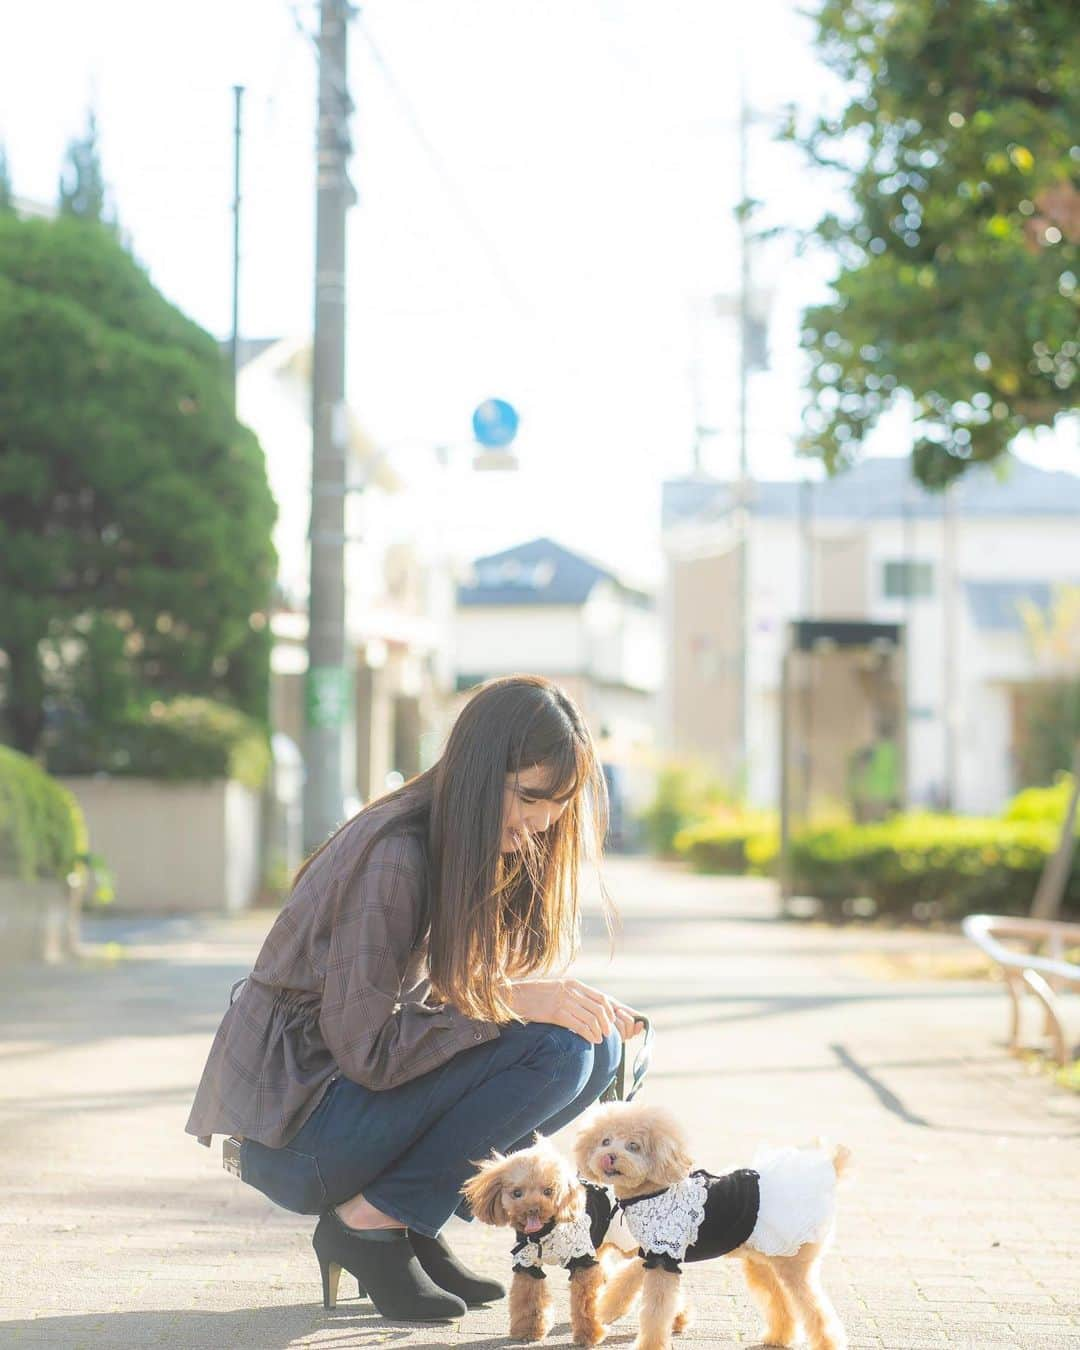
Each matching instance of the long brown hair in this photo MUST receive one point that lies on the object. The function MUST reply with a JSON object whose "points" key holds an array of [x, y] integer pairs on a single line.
{"points": [[493, 916]]}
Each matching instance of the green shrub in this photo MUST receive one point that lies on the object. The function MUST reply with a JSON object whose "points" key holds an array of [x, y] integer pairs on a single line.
{"points": [[734, 842], [686, 792], [927, 865], [189, 739], [42, 830], [1043, 803]]}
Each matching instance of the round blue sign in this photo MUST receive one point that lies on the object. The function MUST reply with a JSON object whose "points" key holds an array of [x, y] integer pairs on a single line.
{"points": [[495, 423]]}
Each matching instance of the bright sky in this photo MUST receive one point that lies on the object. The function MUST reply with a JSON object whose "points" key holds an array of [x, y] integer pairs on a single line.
{"points": [[591, 153]]}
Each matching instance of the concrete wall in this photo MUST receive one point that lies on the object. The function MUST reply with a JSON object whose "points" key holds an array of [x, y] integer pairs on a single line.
{"points": [[38, 921], [174, 846]]}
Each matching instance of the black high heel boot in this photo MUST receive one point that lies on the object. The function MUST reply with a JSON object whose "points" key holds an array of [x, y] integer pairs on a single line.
{"points": [[385, 1265], [439, 1261]]}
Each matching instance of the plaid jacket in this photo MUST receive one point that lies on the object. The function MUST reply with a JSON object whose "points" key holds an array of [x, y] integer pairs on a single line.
{"points": [[338, 987]]}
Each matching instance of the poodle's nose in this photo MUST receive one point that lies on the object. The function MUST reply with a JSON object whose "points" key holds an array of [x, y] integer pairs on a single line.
{"points": [[608, 1160]]}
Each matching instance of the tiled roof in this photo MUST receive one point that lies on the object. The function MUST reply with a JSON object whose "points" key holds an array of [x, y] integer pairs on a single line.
{"points": [[540, 572], [883, 489]]}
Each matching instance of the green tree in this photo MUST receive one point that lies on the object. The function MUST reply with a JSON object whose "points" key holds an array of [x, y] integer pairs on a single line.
{"points": [[957, 279], [135, 517], [82, 183], [7, 195]]}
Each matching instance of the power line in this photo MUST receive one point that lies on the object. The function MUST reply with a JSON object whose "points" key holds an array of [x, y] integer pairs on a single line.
{"points": [[330, 70], [457, 198], [453, 192]]}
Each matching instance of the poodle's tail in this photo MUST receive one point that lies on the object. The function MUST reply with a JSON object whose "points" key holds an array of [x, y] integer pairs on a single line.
{"points": [[839, 1155], [842, 1161]]}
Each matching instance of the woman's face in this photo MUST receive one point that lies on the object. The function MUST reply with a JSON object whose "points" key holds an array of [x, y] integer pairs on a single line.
{"points": [[524, 813]]}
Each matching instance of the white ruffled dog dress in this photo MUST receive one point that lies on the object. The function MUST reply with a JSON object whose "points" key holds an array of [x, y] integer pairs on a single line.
{"points": [[786, 1199]]}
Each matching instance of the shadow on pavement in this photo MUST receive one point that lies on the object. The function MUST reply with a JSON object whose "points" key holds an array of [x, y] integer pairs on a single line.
{"points": [[264, 1328], [889, 1100]]}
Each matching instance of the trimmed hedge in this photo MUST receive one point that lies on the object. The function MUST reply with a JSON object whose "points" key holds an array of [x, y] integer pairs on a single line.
{"points": [[920, 864], [42, 831], [686, 794], [1043, 803], [736, 843], [929, 866], [189, 739]]}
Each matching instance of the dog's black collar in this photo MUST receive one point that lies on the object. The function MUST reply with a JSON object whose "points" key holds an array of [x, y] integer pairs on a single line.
{"points": [[637, 1199]]}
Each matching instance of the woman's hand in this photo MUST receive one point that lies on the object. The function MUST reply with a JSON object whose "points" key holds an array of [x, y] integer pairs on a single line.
{"points": [[576, 1006]]}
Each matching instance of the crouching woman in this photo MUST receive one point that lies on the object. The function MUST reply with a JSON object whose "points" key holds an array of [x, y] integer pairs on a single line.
{"points": [[400, 1021]]}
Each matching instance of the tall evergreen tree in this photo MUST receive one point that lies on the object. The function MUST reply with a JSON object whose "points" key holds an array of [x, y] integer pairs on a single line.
{"points": [[82, 183], [135, 516]]}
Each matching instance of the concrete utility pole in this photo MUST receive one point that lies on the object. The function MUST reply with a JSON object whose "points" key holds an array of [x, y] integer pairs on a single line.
{"points": [[328, 689], [238, 94]]}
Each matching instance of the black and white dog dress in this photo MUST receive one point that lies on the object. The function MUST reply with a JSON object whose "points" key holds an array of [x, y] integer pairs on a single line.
{"points": [[569, 1245], [785, 1200]]}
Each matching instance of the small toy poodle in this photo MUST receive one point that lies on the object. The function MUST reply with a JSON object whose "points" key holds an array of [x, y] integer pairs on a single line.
{"points": [[777, 1217], [558, 1221]]}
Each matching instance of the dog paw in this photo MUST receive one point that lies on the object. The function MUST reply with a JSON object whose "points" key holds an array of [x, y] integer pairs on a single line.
{"points": [[653, 1342], [531, 1329], [683, 1319], [592, 1336]]}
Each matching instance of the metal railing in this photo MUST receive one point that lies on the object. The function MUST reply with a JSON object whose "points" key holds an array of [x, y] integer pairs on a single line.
{"points": [[1041, 969]]}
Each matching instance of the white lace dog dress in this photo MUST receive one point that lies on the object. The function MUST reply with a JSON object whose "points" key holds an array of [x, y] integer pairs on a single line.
{"points": [[570, 1245], [784, 1201]]}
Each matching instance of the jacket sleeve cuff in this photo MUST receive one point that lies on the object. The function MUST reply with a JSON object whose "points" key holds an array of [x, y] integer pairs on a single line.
{"points": [[467, 1031]]}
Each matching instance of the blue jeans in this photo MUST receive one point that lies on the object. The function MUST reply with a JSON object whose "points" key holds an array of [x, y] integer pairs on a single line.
{"points": [[411, 1148]]}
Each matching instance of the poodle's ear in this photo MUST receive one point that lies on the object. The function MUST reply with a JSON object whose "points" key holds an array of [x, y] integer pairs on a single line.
{"points": [[584, 1145], [571, 1197], [669, 1155], [484, 1191]]}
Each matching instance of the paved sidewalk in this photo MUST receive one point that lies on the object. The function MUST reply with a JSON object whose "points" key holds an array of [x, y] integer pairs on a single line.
{"points": [[962, 1229]]}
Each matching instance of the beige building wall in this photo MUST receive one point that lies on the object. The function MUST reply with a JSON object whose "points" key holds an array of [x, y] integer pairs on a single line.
{"points": [[841, 576], [703, 660]]}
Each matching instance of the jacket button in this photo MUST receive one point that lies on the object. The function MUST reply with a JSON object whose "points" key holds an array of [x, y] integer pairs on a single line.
{"points": [[478, 1035]]}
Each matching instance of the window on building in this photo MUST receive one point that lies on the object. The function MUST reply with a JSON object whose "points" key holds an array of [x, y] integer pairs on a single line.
{"points": [[908, 580]]}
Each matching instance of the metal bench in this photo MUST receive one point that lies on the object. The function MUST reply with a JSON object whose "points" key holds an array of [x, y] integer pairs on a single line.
{"points": [[1037, 966]]}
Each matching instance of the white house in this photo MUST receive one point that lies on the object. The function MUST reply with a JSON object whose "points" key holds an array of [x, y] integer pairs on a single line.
{"points": [[869, 544], [541, 609], [394, 638]]}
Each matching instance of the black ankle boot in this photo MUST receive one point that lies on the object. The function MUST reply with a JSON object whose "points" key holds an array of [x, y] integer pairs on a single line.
{"points": [[446, 1270], [385, 1265]]}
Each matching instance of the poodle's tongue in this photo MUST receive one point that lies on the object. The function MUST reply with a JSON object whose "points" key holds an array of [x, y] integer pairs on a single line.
{"points": [[533, 1225]]}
